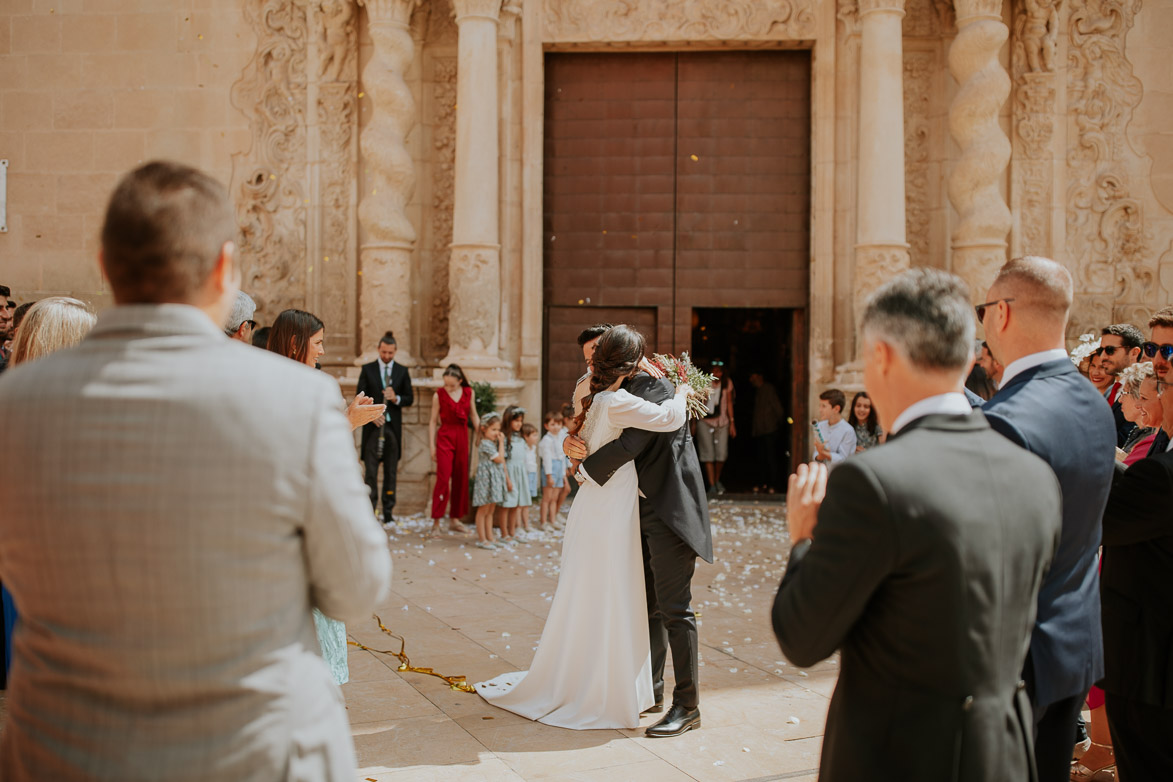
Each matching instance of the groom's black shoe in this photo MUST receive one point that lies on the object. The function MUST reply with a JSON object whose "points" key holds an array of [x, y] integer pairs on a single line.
{"points": [[678, 720], [655, 708]]}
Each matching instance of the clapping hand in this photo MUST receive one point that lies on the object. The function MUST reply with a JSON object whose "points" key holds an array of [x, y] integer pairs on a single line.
{"points": [[804, 495], [363, 410]]}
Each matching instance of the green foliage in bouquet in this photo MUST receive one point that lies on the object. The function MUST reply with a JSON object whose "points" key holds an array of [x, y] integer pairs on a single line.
{"points": [[486, 397], [676, 369]]}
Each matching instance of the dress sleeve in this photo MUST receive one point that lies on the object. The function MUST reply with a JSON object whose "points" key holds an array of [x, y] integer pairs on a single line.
{"points": [[626, 410]]}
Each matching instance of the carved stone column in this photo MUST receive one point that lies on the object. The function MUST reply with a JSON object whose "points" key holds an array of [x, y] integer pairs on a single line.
{"points": [[475, 266], [881, 250], [979, 240], [386, 251]]}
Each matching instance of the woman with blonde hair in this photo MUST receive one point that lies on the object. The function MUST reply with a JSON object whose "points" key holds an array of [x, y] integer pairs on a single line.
{"points": [[51, 324]]}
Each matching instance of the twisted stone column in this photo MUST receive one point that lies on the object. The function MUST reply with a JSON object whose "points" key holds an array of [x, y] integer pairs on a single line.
{"points": [[386, 251], [881, 250], [979, 241], [474, 271]]}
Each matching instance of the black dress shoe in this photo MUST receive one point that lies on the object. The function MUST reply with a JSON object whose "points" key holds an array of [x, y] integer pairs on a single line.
{"points": [[678, 720], [655, 708]]}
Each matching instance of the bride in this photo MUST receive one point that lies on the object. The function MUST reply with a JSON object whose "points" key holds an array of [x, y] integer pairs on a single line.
{"points": [[592, 668]]}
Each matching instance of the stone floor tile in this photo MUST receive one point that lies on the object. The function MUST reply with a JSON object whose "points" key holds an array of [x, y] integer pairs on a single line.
{"points": [[385, 701]]}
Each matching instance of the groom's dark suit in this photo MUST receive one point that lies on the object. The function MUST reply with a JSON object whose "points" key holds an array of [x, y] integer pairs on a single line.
{"points": [[674, 526], [927, 585]]}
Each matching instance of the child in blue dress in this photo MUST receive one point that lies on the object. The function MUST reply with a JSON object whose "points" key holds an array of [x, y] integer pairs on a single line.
{"points": [[489, 484]]}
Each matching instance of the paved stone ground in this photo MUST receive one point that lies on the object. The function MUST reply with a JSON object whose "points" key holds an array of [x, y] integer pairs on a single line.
{"points": [[467, 611]]}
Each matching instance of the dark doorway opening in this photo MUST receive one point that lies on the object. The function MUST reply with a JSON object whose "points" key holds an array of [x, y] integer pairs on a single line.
{"points": [[749, 340]]}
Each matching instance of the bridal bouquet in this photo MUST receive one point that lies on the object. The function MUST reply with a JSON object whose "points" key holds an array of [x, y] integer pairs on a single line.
{"points": [[682, 370]]}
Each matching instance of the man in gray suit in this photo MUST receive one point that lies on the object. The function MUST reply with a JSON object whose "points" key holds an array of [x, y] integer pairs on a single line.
{"points": [[176, 503], [925, 561]]}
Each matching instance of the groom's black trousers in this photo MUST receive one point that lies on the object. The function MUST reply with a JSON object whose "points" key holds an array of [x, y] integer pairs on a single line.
{"points": [[669, 563]]}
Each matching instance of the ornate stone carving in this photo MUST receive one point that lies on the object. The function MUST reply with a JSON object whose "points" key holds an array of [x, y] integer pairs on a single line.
{"points": [[489, 9], [672, 20], [386, 253], [268, 181], [443, 167], [918, 81], [337, 38], [867, 6], [337, 121], [441, 22], [979, 240], [848, 14], [476, 286], [874, 266], [1107, 240], [1032, 64]]}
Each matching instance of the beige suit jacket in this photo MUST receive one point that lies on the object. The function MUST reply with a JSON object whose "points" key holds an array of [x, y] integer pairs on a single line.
{"points": [[174, 503]]}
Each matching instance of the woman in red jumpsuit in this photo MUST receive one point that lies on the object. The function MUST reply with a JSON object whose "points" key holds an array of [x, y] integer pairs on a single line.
{"points": [[452, 408]]}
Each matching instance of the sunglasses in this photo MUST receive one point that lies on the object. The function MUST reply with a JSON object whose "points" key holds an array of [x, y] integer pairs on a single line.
{"points": [[252, 324], [1110, 350], [1151, 349], [980, 309]]}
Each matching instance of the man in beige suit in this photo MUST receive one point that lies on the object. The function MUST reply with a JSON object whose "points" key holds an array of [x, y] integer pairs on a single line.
{"points": [[176, 502]]}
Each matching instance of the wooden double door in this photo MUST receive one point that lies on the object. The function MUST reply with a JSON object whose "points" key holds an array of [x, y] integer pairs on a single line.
{"points": [[673, 182]]}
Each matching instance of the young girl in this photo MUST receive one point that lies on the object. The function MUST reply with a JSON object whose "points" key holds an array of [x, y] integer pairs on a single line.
{"points": [[529, 433], [553, 467], [489, 488], [516, 480]]}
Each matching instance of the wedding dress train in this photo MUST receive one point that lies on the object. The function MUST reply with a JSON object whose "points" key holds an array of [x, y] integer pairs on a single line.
{"points": [[592, 668]]}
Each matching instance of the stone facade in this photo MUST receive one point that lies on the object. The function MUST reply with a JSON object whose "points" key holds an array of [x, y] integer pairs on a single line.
{"points": [[386, 156]]}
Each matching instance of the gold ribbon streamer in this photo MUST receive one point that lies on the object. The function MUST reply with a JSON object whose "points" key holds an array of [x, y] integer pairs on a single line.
{"points": [[455, 682]]}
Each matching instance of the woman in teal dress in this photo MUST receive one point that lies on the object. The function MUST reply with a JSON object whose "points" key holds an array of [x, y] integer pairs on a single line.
{"points": [[299, 335]]}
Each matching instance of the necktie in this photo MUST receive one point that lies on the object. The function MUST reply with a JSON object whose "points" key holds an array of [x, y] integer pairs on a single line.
{"points": [[387, 382]]}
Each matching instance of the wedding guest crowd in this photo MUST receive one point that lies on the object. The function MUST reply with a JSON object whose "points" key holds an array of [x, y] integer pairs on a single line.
{"points": [[135, 655], [1044, 407]]}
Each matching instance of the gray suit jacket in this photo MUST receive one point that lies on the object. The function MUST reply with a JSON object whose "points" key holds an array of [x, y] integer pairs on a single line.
{"points": [[174, 504]]}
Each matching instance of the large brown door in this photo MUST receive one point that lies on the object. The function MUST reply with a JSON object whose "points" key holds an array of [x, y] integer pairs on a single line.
{"points": [[673, 181]]}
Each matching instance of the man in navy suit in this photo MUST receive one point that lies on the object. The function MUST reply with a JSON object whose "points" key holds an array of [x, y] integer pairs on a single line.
{"points": [[1048, 408]]}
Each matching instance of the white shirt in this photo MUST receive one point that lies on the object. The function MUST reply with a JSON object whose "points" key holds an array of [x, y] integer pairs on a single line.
{"points": [[1020, 365], [384, 373], [952, 403], [550, 450], [531, 458], [841, 441]]}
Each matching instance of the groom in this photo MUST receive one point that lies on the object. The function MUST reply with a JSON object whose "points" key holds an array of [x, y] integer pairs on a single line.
{"points": [[674, 528]]}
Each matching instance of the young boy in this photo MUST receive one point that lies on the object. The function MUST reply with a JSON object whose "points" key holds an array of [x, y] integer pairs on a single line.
{"points": [[529, 433], [553, 465], [840, 435]]}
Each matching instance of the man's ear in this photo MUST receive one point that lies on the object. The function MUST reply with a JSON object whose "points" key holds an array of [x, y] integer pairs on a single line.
{"points": [[883, 355]]}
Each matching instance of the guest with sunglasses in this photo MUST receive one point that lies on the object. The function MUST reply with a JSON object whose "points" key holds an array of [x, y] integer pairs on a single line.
{"points": [[1046, 407], [1160, 350], [1120, 348]]}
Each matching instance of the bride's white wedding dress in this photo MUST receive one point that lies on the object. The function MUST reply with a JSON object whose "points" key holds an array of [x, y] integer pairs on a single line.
{"points": [[592, 668]]}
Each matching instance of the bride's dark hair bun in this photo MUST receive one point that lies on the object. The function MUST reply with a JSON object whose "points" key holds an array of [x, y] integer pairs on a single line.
{"points": [[616, 355]]}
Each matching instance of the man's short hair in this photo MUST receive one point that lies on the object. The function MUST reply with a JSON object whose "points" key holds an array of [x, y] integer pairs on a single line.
{"points": [[1036, 284], [1163, 318], [165, 226], [5, 292], [1129, 334], [924, 313], [593, 332], [835, 398], [243, 310]]}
